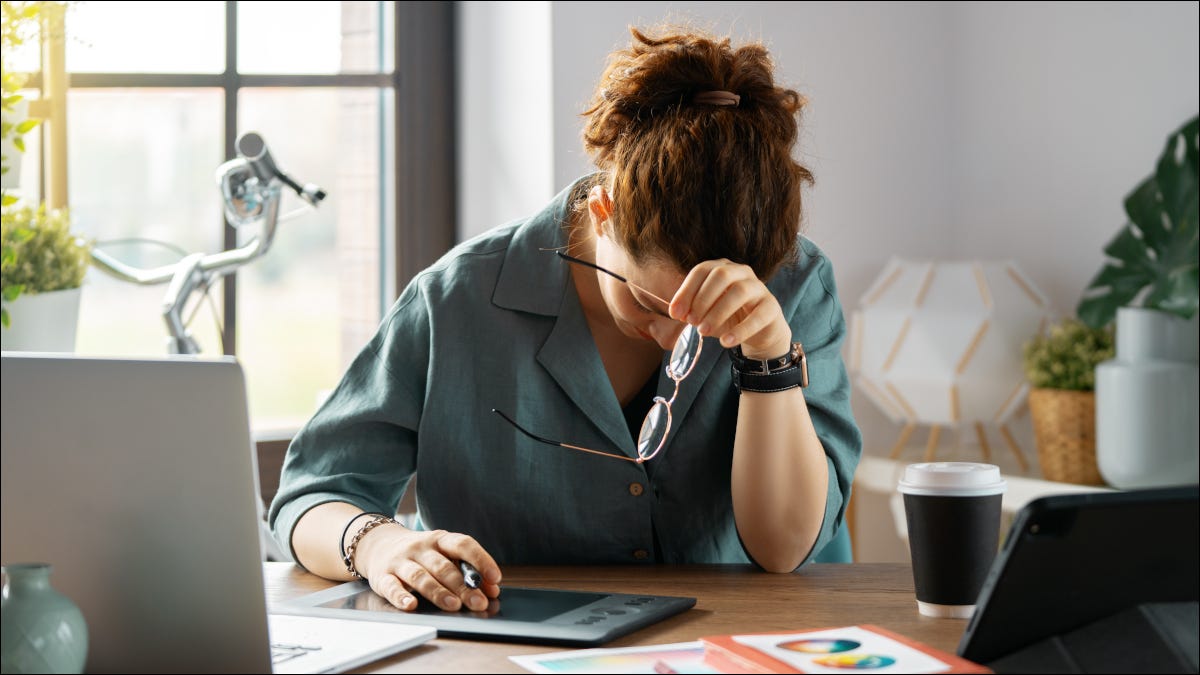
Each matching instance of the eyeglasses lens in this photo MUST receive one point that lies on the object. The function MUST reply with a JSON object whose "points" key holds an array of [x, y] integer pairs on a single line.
{"points": [[683, 357]]}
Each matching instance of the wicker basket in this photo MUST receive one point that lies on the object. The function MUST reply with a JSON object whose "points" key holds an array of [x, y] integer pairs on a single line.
{"points": [[1064, 424]]}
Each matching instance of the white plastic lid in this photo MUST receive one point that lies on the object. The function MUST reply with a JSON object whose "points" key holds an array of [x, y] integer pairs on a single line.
{"points": [[952, 479]]}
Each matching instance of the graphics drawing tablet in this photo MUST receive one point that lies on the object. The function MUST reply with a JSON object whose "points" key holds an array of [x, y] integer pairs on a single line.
{"points": [[537, 615]]}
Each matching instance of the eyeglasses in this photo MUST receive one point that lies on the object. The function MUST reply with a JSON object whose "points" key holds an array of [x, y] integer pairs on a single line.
{"points": [[657, 425], [621, 279]]}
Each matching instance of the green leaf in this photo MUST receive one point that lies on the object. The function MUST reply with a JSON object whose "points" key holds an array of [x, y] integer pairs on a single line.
{"points": [[1145, 209], [8, 200], [27, 125], [1159, 246], [13, 291], [18, 143], [1177, 172], [4, 320]]}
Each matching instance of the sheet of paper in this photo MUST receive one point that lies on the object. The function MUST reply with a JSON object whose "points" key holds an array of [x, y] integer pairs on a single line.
{"points": [[305, 644], [842, 649], [680, 657]]}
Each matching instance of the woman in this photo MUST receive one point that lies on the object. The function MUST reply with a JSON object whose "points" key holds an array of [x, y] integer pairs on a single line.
{"points": [[677, 269]]}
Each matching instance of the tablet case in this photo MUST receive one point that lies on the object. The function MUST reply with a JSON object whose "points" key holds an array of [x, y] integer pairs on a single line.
{"points": [[1157, 637], [1085, 575]]}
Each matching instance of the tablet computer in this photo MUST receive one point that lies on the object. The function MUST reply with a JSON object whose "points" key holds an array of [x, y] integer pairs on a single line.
{"points": [[538, 615], [1071, 562]]}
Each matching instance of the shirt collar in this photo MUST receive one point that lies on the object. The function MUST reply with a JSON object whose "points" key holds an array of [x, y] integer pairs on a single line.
{"points": [[532, 279]]}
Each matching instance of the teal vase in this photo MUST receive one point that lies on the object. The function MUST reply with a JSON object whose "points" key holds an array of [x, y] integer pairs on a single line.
{"points": [[43, 631]]}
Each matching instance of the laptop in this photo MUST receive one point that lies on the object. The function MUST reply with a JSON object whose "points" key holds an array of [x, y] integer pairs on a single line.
{"points": [[1093, 582], [136, 480]]}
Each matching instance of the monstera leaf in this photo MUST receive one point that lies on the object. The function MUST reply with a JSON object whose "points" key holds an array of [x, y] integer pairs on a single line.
{"points": [[1158, 248]]}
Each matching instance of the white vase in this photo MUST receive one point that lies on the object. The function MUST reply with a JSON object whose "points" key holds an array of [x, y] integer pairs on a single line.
{"points": [[1147, 428], [42, 322]]}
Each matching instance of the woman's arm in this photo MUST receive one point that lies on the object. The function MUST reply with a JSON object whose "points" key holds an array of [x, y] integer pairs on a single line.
{"points": [[780, 475], [780, 478]]}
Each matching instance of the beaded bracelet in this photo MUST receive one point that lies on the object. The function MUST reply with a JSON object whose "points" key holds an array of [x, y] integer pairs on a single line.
{"points": [[348, 557]]}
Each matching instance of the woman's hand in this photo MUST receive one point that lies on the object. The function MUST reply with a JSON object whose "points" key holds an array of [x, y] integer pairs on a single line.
{"points": [[399, 562], [722, 298]]}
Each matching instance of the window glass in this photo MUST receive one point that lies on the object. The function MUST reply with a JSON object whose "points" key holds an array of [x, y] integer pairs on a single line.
{"points": [[141, 174], [146, 37], [313, 301], [141, 170], [312, 38]]}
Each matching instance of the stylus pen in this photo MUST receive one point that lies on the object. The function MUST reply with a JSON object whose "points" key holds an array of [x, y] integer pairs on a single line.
{"points": [[472, 575]]}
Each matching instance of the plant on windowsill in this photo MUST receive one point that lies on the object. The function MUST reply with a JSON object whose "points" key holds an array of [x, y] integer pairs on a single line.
{"points": [[43, 263], [41, 278], [1061, 367]]}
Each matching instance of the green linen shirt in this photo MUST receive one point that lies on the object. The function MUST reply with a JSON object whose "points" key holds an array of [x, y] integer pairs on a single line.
{"points": [[497, 323]]}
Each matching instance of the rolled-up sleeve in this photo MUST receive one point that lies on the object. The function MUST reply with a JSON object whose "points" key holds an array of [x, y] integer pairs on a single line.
{"points": [[361, 445], [817, 321]]}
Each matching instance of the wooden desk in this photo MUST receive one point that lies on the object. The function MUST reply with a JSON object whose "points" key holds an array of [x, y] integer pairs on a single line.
{"points": [[729, 599]]}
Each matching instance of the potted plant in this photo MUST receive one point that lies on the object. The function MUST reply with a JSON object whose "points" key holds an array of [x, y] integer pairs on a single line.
{"points": [[1146, 397], [41, 274], [1060, 365], [43, 263]]}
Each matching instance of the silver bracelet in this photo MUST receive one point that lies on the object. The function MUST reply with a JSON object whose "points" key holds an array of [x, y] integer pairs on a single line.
{"points": [[362, 531]]}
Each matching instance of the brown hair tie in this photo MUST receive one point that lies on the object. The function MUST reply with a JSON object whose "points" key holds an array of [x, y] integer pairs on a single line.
{"points": [[717, 98]]}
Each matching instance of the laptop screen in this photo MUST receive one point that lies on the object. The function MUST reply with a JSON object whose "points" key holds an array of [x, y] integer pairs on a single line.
{"points": [[135, 480]]}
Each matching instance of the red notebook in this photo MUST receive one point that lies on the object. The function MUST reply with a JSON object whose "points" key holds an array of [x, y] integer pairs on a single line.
{"points": [[831, 650]]}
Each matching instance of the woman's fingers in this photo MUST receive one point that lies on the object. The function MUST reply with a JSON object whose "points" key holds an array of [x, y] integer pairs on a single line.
{"points": [[682, 304], [424, 582], [461, 547], [757, 322], [726, 300], [390, 588], [456, 593], [738, 299]]}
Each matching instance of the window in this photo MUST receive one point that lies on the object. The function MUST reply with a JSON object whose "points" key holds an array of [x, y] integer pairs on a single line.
{"points": [[159, 93]]}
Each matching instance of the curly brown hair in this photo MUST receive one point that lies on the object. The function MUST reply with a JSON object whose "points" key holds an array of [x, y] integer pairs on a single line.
{"points": [[695, 181]]}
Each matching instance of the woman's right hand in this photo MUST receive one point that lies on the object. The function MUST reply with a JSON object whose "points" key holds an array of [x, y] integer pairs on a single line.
{"points": [[399, 562]]}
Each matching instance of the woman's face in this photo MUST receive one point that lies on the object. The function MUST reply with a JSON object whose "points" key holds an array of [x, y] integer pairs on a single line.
{"points": [[635, 311]]}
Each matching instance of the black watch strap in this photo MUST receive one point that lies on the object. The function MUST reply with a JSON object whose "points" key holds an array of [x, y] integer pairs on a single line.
{"points": [[763, 366], [769, 375]]}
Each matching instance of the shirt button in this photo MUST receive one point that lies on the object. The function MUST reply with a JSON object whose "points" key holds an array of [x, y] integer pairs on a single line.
{"points": [[636, 489], [640, 554]]}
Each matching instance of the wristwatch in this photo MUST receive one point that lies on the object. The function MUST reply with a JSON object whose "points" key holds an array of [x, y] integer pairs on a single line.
{"points": [[769, 375]]}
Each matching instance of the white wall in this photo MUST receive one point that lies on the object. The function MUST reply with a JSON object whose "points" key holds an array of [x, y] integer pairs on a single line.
{"points": [[505, 146], [1059, 110], [935, 130]]}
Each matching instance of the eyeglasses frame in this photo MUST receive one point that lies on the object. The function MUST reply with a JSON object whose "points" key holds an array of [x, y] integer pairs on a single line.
{"points": [[667, 403]]}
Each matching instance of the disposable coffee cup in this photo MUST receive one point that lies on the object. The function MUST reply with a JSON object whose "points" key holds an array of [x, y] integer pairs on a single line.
{"points": [[953, 514]]}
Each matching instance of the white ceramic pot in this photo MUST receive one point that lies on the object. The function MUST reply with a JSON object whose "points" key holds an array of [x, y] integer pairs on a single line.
{"points": [[43, 322], [1147, 429]]}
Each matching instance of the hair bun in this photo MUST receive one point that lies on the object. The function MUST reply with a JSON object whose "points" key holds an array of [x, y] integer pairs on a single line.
{"points": [[695, 139]]}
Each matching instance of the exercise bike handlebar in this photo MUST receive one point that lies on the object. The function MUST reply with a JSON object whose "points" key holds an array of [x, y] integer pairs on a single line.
{"points": [[251, 186]]}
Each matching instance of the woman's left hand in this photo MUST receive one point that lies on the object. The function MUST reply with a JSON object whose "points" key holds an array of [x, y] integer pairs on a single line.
{"points": [[725, 299]]}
